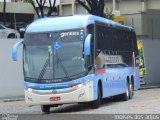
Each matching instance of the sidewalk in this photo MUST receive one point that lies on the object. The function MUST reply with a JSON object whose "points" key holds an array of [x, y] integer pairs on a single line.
{"points": [[12, 99], [150, 86]]}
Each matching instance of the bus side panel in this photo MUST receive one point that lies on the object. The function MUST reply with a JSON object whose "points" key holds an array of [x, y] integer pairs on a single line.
{"points": [[115, 82], [136, 79], [109, 86], [96, 79]]}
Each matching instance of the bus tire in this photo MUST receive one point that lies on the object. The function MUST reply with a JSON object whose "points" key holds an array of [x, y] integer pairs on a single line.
{"points": [[125, 96], [132, 82], [45, 109], [130, 90], [95, 104]]}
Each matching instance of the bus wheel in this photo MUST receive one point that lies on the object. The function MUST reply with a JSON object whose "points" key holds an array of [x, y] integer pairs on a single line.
{"points": [[130, 90], [95, 104], [125, 96], [45, 109]]}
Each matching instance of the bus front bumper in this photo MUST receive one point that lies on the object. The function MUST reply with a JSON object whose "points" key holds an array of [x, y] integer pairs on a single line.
{"points": [[77, 94]]}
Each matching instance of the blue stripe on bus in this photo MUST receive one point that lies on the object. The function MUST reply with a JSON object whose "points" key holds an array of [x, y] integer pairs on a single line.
{"points": [[51, 86]]}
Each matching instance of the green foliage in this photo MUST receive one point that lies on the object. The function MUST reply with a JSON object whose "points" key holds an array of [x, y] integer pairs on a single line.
{"points": [[108, 14], [94, 7], [30, 1]]}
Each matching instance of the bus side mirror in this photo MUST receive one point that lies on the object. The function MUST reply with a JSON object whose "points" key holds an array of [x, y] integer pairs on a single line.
{"points": [[87, 45], [15, 49]]}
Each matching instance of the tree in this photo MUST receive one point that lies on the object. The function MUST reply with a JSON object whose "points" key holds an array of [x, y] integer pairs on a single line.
{"points": [[52, 8], [108, 14], [41, 4], [4, 12], [95, 7], [33, 4]]}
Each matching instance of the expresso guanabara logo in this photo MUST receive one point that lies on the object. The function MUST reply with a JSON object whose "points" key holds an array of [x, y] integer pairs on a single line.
{"points": [[73, 33]]}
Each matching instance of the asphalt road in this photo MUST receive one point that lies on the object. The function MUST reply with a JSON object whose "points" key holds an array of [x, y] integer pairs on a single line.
{"points": [[145, 101]]}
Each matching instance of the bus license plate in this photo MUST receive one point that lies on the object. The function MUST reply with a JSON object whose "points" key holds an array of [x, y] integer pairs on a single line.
{"points": [[55, 98]]}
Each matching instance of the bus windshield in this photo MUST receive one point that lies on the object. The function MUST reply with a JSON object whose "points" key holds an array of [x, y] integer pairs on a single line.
{"points": [[53, 57]]}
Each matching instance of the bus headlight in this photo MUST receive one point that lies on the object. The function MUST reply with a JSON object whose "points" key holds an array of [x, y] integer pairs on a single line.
{"points": [[84, 84], [29, 89], [80, 85]]}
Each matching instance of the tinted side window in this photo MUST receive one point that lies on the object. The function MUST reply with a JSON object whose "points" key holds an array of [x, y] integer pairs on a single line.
{"points": [[126, 40], [129, 40], [134, 43], [90, 58], [108, 39], [100, 37], [114, 39]]}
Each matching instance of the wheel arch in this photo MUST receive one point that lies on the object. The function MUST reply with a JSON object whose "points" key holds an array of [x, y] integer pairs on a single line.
{"points": [[8, 36], [100, 87], [132, 81], [128, 79]]}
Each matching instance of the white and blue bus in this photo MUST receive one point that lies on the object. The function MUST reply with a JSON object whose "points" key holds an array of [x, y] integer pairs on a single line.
{"points": [[78, 59]]}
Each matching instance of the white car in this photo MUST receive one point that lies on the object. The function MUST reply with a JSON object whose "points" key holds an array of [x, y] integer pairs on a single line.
{"points": [[8, 33]]}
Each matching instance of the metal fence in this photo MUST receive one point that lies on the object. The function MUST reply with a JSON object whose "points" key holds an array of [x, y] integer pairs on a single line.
{"points": [[11, 73], [152, 60]]}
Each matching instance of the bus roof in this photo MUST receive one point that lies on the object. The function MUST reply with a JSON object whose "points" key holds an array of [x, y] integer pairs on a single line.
{"points": [[68, 22]]}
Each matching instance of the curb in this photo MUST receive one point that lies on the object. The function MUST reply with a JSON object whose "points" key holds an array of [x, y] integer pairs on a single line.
{"points": [[11, 100], [148, 87]]}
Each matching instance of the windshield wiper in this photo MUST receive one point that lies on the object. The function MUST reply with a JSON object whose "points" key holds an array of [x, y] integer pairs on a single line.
{"points": [[43, 71], [62, 66]]}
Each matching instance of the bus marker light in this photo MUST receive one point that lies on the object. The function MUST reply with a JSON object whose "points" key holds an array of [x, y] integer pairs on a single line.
{"points": [[55, 98], [100, 71], [72, 85]]}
